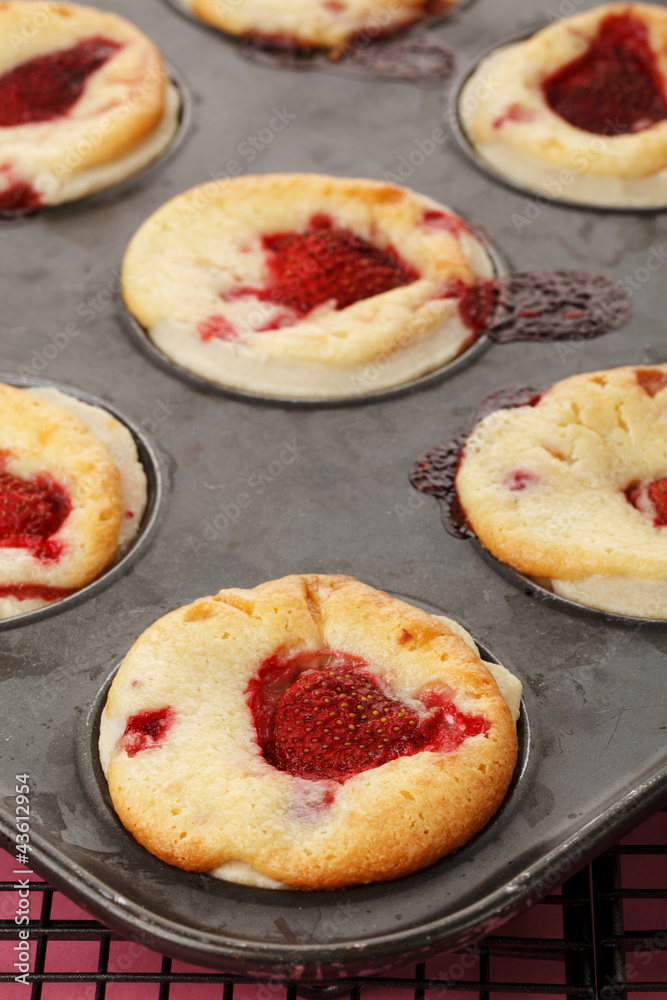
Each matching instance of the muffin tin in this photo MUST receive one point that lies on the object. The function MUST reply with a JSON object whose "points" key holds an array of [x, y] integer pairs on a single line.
{"points": [[253, 492], [149, 522], [469, 149]]}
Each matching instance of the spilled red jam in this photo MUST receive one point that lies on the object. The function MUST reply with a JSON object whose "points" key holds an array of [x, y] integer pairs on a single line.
{"points": [[146, 730], [326, 264], [34, 592], [476, 302], [19, 197], [615, 87], [47, 87], [323, 716], [31, 511], [651, 380]]}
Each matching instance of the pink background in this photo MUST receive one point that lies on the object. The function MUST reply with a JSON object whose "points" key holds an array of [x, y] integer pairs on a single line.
{"points": [[639, 872]]}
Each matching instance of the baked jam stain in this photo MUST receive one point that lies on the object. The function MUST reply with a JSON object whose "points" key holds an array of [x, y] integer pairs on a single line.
{"points": [[31, 511], [540, 306], [434, 472], [392, 55], [323, 716], [615, 87], [557, 305], [651, 380], [324, 264], [146, 730], [47, 87], [34, 591]]}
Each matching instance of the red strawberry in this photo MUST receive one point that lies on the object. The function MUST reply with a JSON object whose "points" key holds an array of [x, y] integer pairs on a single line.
{"points": [[30, 512], [333, 721], [47, 86], [616, 86], [657, 494], [218, 328], [324, 264], [146, 730]]}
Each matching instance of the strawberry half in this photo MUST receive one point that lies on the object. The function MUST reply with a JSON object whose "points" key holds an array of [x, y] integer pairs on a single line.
{"points": [[334, 721], [327, 264]]}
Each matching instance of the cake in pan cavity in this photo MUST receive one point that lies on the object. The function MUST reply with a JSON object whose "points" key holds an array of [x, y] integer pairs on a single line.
{"points": [[312, 733], [329, 24], [578, 112], [303, 285], [72, 496], [85, 103], [571, 489]]}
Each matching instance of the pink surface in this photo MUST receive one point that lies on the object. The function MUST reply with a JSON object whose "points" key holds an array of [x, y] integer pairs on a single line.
{"points": [[641, 872]]}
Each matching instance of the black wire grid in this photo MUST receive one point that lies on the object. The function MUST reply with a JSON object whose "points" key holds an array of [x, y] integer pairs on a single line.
{"points": [[588, 955]]}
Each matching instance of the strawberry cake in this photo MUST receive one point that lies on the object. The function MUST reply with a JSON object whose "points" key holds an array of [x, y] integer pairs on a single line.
{"points": [[312, 733], [85, 103], [303, 285], [572, 489], [305, 24], [578, 112], [72, 495]]}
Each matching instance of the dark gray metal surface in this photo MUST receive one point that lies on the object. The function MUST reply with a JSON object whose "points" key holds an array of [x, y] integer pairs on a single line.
{"points": [[256, 492]]}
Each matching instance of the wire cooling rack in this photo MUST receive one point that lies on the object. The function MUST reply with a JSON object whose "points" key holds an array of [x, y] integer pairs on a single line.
{"points": [[604, 935]]}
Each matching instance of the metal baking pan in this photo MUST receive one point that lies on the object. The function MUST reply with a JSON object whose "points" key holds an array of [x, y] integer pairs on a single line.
{"points": [[253, 492]]}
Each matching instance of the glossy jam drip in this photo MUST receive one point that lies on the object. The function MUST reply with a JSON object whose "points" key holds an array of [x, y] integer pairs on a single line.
{"points": [[324, 716], [31, 511], [47, 87], [33, 592], [146, 730], [615, 87], [328, 264]]}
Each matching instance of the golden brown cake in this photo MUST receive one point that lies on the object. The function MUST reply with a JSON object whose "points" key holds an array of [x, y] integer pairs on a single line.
{"points": [[72, 495], [578, 111], [572, 489], [85, 102], [304, 285], [311, 733]]}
